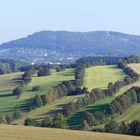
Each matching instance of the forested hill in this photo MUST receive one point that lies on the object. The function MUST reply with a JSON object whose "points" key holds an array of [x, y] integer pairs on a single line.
{"points": [[62, 46]]}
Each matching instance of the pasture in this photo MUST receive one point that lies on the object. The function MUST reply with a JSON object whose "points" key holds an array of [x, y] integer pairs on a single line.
{"points": [[100, 76], [9, 103]]}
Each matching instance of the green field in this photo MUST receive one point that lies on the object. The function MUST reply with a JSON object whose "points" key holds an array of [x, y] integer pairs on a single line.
{"points": [[47, 82], [100, 76], [103, 71], [44, 111], [9, 103], [135, 67]]}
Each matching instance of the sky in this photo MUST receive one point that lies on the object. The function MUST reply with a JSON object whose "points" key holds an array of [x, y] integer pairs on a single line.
{"points": [[19, 18]]}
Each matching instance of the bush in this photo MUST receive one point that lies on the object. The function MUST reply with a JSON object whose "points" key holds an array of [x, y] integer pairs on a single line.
{"points": [[9, 118], [112, 127], [31, 122], [44, 72], [17, 114], [37, 102], [36, 88], [17, 91]]}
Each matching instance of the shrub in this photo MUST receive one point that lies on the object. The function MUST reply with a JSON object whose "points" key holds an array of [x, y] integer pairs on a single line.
{"points": [[44, 72], [36, 88], [37, 101], [17, 114], [17, 91]]}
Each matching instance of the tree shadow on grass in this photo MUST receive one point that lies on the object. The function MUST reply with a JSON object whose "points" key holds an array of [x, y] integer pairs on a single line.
{"points": [[15, 80], [5, 95], [25, 105], [66, 74]]}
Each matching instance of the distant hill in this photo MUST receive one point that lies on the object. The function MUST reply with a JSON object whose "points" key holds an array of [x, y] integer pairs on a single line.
{"points": [[63, 46]]}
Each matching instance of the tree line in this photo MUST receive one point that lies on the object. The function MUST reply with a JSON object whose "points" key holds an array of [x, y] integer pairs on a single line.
{"points": [[25, 80], [9, 66], [58, 121], [125, 101], [79, 75], [132, 128], [66, 88], [117, 107], [93, 61], [94, 95]]}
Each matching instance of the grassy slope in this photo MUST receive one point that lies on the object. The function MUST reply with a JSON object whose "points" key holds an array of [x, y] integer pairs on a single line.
{"points": [[75, 120], [100, 76], [100, 71], [8, 132], [47, 82], [9, 103], [132, 113], [42, 112]]}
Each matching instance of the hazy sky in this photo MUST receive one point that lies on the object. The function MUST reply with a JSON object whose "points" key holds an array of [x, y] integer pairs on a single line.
{"points": [[18, 18]]}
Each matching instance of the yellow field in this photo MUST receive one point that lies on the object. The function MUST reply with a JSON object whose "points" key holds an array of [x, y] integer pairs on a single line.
{"points": [[9, 132], [135, 67]]}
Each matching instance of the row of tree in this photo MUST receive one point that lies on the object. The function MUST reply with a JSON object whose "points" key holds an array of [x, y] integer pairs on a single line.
{"points": [[132, 128], [131, 59], [79, 75], [9, 66], [26, 79], [123, 102], [58, 121], [90, 98], [93, 61], [131, 77], [64, 89]]}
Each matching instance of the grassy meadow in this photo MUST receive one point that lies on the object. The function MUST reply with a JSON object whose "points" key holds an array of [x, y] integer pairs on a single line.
{"points": [[8, 132], [100, 76], [9, 103], [8, 82], [97, 77], [47, 82]]}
